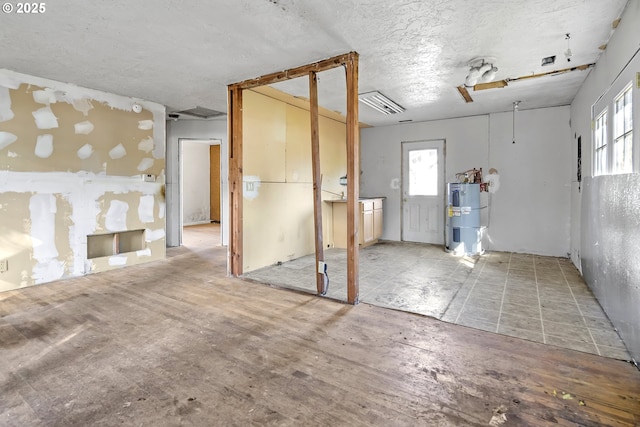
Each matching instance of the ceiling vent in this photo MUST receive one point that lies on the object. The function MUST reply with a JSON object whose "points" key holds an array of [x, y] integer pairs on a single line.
{"points": [[379, 102], [201, 113], [549, 60]]}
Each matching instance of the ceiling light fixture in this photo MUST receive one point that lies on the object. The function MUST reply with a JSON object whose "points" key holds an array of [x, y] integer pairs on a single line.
{"points": [[513, 123], [480, 72], [567, 52], [381, 103]]}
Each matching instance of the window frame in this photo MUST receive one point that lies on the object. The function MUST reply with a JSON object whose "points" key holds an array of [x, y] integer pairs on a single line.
{"points": [[601, 167], [622, 136]]}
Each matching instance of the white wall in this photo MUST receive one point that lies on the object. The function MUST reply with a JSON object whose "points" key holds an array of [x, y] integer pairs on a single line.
{"points": [[466, 146], [196, 194], [530, 212], [194, 129], [605, 238]]}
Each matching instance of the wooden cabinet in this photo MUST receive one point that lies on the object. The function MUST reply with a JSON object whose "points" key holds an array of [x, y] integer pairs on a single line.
{"points": [[370, 218]]}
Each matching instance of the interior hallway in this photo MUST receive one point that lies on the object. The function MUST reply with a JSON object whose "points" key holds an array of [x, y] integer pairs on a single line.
{"points": [[542, 299], [176, 342]]}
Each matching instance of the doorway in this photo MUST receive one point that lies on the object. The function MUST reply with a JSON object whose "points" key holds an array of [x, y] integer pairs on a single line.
{"points": [[200, 190], [423, 191]]}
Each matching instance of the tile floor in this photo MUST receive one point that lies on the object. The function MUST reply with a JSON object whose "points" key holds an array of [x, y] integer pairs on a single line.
{"points": [[537, 298]]}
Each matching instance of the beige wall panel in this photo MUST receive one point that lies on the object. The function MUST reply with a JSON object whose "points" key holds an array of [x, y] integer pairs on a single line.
{"points": [[333, 156], [15, 240], [278, 225], [264, 134], [298, 148]]}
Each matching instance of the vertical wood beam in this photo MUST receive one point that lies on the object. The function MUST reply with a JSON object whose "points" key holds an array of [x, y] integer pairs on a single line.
{"points": [[317, 180], [235, 179], [353, 179]]}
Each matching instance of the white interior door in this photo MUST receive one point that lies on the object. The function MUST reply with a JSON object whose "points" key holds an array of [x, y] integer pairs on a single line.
{"points": [[423, 191]]}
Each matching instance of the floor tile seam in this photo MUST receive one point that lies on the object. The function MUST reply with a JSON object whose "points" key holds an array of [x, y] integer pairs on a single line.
{"points": [[579, 309], [504, 292], [535, 276], [468, 294]]}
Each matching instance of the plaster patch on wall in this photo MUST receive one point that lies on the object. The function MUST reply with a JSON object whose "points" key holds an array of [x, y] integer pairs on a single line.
{"points": [[85, 151], [6, 113], [153, 235], [250, 185], [116, 218], [7, 138], [145, 164], [83, 128], [162, 206], [145, 124], [43, 214], [145, 209], [144, 252], [117, 152], [83, 105], [46, 96], [44, 146], [146, 144], [45, 119], [395, 184], [11, 154], [117, 260]]}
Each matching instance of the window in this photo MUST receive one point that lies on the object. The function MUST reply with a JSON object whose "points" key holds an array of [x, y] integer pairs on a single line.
{"points": [[423, 172], [623, 133], [600, 146]]}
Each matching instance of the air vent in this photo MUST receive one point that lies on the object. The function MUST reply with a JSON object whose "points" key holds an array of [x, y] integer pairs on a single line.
{"points": [[379, 102], [201, 112], [549, 60]]}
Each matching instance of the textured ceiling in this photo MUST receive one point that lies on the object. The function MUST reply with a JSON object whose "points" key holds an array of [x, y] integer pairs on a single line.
{"points": [[183, 54]]}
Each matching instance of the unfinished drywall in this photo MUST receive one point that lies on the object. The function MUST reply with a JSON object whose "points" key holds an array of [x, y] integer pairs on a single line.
{"points": [[200, 130], [278, 190], [195, 183], [605, 211], [71, 165]]}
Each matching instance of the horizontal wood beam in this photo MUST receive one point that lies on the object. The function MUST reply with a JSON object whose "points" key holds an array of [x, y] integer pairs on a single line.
{"points": [[302, 71]]}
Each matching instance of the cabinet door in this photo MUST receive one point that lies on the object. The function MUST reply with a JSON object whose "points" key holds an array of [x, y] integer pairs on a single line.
{"points": [[377, 223], [367, 226]]}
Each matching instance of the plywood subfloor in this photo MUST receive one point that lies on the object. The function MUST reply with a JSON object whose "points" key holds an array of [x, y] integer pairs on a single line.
{"points": [[175, 342]]}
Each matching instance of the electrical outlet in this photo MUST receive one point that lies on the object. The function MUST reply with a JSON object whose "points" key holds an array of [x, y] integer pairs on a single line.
{"points": [[4, 265], [249, 186]]}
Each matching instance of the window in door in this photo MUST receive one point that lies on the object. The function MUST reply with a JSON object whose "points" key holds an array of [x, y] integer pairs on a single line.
{"points": [[423, 172]]}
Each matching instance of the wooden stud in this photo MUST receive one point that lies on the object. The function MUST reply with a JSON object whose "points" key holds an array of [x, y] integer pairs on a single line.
{"points": [[235, 180], [325, 64], [353, 179], [317, 180]]}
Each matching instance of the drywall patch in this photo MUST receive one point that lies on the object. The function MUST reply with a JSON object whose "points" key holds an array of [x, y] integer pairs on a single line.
{"points": [[43, 214], [116, 218], [44, 146], [7, 138], [145, 209], [83, 128], [83, 105], [144, 252], [153, 235], [117, 260], [145, 164], [45, 119], [11, 154], [146, 144], [251, 184], [6, 113], [117, 152], [85, 151], [46, 96], [145, 124], [162, 206]]}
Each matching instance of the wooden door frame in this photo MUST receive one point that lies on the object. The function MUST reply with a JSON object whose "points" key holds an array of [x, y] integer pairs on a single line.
{"points": [[235, 90]]}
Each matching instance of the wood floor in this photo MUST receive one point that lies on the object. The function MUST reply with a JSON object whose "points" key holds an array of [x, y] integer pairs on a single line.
{"points": [[176, 343]]}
